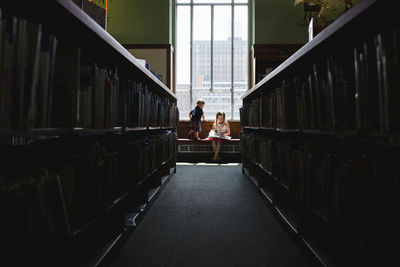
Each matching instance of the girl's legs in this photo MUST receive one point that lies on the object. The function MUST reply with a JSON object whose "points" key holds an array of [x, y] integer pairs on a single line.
{"points": [[214, 145], [216, 151]]}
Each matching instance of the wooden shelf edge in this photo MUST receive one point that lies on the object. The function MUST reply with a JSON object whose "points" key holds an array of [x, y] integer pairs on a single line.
{"points": [[253, 181], [141, 129], [78, 131], [108, 249], [266, 196], [287, 221], [380, 140], [98, 218], [314, 252], [134, 129]]}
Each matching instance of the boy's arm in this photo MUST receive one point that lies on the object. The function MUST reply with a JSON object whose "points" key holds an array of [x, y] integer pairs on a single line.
{"points": [[204, 118], [190, 116]]}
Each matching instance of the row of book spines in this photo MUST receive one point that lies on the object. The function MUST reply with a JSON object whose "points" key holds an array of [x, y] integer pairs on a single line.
{"points": [[24, 50], [138, 101], [357, 92], [130, 102], [81, 192], [335, 186], [88, 191], [44, 85]]}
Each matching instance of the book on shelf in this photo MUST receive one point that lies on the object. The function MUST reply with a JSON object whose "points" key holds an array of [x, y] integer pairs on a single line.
{"points": [[313, 102], [114, 99], [387, 66], [20, 75], [371, 84], [46, 81], [101, 93], [34, 38], [300, 103], [256, 112], [9, 36], [67, 86], [20, 50], [55, 208], [84, 113], [332, 92], [96, 95], [365, 84]]}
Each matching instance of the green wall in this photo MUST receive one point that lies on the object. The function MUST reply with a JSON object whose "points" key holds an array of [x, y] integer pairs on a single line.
{"points": [[151, 21], [278, 21], [139, 21]]}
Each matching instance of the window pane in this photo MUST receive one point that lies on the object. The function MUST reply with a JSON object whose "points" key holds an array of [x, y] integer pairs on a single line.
{"points": [[240, 47], [237, 102], [201, 47], [212, 1], [222, 52], [215, 101], [183, 59], [219, 99]]}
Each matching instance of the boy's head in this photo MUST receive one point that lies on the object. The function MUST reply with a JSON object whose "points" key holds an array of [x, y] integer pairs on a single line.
{"points": [[201, 103]]}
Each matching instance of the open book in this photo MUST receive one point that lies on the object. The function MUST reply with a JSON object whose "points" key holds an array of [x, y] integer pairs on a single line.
{"points": [[213, 134]]}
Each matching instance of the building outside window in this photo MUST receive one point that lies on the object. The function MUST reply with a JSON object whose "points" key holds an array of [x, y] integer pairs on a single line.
{"points": [[211, 55]]}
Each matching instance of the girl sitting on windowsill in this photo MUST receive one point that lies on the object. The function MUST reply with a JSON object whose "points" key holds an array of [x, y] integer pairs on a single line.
{"points": [[222, 132]]}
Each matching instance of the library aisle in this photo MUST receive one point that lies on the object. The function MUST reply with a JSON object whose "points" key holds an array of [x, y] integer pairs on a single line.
{"points": [[209, 215]]}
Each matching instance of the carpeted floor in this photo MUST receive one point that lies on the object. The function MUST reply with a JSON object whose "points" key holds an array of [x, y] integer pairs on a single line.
{"points": [[209, 215]]}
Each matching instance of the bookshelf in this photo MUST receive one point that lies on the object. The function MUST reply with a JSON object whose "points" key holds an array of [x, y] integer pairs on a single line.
{"points": [[266, 57], [320, 139], [87, 135]]}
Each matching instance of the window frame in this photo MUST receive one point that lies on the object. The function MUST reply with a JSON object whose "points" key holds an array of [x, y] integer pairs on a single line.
{"points": [[232, 4]]}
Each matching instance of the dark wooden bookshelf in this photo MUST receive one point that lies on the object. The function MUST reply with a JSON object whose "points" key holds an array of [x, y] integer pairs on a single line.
{"points": [[135, 129], [75, 130], [100, 156], [350, 26], [330, 177], [82, 131]]}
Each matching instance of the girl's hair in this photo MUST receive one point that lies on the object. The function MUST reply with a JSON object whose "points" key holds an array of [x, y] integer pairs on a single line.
{"points": [[220, 113]]}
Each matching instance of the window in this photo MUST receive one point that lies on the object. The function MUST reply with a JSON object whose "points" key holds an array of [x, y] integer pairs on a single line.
{"points": [[211, 55]]}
